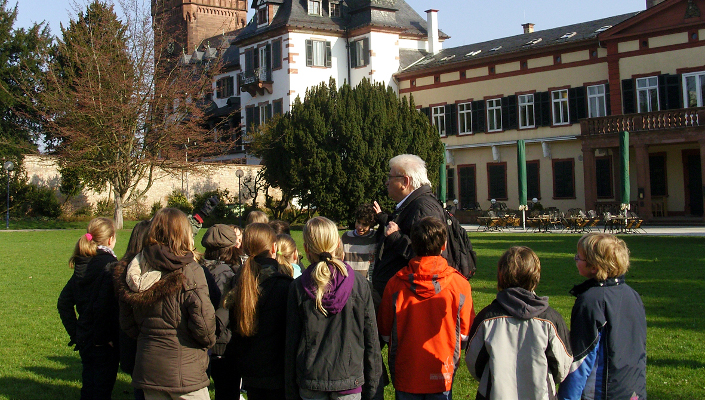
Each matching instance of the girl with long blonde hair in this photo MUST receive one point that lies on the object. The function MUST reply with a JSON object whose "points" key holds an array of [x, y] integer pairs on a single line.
{"points": [[288, 255], [257, 307], [332, 348], [90, 294]]}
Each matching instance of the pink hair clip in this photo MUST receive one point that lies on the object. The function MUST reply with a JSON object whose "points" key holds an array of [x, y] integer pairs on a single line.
{"points": [[89, 236]]}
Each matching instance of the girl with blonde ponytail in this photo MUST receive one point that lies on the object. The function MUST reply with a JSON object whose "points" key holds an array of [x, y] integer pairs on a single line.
{"points": [[90, 294], [332, 348], [257, 307]]}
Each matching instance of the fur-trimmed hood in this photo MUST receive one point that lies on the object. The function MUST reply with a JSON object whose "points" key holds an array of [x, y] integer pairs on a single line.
{"points": [[169, 284]]}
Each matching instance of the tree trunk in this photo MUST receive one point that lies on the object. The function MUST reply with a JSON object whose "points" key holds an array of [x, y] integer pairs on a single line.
{"points": [[118, 210]]}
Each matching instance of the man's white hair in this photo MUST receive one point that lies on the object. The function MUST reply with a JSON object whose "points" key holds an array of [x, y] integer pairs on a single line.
{"points": [[412, 166]]}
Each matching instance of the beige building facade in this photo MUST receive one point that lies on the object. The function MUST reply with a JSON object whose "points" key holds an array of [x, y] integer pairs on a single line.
{"points": [[568, 92]]}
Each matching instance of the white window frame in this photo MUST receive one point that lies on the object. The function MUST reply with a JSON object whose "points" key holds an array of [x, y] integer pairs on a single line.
{"points": [[438, 115], [360, 53], [318, 48], [314, 7], [262, 113], [597, 101], [559, 102], [465, 118], [699, 80], [334, 6], [494, 115], [527, 118], [649, 86]]}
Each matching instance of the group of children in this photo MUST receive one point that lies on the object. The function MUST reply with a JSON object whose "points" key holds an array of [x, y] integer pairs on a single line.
{"points": [[287, 332]]}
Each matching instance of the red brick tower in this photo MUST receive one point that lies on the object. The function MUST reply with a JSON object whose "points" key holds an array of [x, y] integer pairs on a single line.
{"points": [[188, 22]]}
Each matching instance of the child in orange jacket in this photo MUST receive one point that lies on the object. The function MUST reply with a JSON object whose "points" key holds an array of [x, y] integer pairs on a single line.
{"points": [[425, 316]]}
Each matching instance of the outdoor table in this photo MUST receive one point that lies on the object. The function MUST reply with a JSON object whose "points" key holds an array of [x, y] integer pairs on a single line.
{"points": [[489, 223], [543, 221]]}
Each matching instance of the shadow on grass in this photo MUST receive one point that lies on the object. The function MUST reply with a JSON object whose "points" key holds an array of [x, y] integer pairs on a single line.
{"points": [[63, 376], [675, 363]]}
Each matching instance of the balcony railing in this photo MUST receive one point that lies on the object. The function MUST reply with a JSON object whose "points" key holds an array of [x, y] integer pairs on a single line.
{"points": [[256, 81], [659, 120]]}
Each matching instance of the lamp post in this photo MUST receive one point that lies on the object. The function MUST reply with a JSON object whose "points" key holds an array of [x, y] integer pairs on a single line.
{"points": [[8, 166], [239, 174]]}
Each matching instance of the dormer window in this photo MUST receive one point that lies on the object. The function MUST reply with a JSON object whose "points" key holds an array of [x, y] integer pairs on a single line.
{"points": [[473, 53], [314, 7], [533, 42], [567, 35], [495, 48], [262, 15], [334, 9], [448, 58], [604, 28]]}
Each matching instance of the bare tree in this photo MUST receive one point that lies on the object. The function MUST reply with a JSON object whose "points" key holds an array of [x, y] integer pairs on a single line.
{"points": [[117, 106]]}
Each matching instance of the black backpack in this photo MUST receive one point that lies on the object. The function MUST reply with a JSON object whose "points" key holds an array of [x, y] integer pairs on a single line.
{"points": [[461, 256]]}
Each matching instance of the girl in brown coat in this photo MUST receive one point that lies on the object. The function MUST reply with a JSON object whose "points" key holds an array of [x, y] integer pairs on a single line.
{"points": [[165, 305]]}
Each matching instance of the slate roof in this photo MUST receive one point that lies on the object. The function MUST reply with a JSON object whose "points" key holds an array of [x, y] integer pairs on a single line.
{"points": [[516, 44], [354, 14]]}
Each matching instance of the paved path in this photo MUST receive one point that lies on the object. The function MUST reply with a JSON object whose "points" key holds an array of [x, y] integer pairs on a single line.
{"points": [[650, 230]]}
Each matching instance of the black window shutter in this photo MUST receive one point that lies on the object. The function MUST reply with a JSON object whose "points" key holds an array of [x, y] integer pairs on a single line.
{"points": [[353, 55], [608, 103], [268, 51], [269, 111], [255, 55], [309, 53], [628, 106], [509, 112], [328, 55], [542, 102], [249, 116], [670, 92], [478, 116], [366, 50], [249, 60], [255, 116], [277, 108], [451, 119], [576, 103], [277, 54], [427, 112]]}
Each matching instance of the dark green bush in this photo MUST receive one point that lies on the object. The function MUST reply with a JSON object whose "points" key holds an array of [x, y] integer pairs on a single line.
{"points": [[221, 211], [104, 208], [177, 199], [156, 206], [41, 201]]}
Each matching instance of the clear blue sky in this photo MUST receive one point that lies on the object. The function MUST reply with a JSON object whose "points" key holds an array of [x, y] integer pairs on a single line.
{"points": [[466, 21]]}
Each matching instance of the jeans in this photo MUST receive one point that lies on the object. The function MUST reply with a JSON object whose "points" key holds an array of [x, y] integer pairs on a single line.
{"points": [[100, 367], [226, 379], [398, 395]]}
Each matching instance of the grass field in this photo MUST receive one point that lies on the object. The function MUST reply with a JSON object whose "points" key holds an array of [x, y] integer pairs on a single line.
{"points": [[668, 272]]}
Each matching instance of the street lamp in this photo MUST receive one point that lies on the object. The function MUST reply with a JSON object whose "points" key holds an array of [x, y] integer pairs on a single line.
{"points": [[8, 166], [239, 173]]}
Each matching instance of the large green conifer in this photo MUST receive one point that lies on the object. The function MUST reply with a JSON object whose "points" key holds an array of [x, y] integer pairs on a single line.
{"points": [[332, 150]]}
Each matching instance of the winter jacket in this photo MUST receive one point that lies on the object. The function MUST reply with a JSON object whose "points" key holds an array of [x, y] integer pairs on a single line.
{"points": [[337, 352], [394, 252], [90, 291], [260, 358], [165, 305], [608, 337], [425, 315], [518, 348]]}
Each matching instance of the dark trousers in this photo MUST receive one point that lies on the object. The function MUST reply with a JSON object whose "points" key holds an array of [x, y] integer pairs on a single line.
{"points": [[265, 394], [100, 367], [226, 379]]}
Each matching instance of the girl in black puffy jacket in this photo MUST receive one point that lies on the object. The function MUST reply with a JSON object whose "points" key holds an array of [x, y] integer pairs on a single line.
{"points": [[90, 294]]}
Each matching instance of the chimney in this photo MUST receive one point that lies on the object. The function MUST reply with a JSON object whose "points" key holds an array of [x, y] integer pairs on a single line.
{"points": [[434, 45], [651, 3], [528, 27]]}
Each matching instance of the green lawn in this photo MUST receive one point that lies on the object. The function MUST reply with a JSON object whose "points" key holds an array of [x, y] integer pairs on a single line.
{"points": [[668, 272]]}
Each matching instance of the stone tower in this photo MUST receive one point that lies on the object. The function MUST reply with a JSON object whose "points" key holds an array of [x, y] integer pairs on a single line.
{"points": [[188, 22]]}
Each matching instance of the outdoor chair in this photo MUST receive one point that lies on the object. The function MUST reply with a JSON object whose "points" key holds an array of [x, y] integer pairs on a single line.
{"points": [[609, 222]]}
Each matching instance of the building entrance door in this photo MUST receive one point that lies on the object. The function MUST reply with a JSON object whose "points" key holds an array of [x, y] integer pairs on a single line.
{"points": [[692, 173]]}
